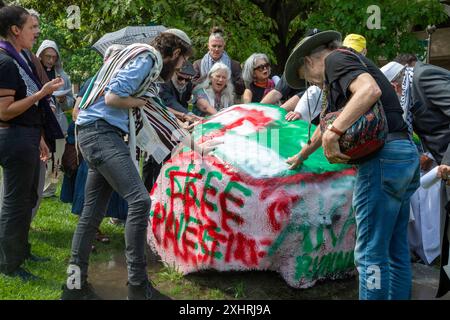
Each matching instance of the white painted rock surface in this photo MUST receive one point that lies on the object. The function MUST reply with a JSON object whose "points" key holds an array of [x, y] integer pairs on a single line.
{"points": [[242, 209]]}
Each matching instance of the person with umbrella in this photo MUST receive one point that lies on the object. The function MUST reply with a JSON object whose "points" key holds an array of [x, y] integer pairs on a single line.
{"points": [[109, 111]]}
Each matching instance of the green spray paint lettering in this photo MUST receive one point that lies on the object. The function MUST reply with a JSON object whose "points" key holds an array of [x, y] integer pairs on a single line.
{"points": [[209, 188], [318, 267]]}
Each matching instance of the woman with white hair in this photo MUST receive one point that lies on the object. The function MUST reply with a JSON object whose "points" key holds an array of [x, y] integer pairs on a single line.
{"points": [[256, 75], [215, 93]]}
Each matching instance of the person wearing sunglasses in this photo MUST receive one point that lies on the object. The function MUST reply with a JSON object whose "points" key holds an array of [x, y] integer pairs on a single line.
{"points": [[256, 75], [176, 93]]}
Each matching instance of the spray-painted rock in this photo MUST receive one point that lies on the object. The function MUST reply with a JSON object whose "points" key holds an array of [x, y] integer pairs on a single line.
{"points": [[241, 208]]}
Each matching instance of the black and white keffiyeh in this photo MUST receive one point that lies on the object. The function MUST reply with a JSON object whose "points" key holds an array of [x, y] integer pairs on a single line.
{"points": [[406, 99]]}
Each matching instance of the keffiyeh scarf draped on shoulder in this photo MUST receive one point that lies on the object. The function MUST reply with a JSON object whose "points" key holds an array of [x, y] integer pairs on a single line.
{"points": [[406, 100], [117, 62], [207, 63], [153, 129]]}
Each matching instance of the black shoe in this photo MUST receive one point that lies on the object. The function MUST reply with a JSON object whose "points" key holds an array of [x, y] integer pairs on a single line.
{"points": [[85, 293], [145, 291], [23, 274], [35, 258]]}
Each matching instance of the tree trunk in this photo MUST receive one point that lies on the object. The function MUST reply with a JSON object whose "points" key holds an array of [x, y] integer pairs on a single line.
{"points": [[282, 13]]}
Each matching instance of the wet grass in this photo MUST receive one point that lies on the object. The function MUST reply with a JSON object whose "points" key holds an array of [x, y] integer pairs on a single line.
{"points": [[51, 236]]}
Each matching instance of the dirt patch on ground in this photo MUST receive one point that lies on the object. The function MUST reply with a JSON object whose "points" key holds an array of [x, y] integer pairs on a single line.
{"points": [[110, 279]]}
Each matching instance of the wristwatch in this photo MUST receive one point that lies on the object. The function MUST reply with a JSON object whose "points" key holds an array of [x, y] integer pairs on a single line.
{"points": [[333, 129]]}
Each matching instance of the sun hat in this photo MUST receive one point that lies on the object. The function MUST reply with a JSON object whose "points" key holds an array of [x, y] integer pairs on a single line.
{"points": [[303, 49]]}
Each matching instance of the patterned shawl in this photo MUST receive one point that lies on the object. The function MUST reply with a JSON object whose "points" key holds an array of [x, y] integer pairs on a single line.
{"points": [[152, 128], [117, 62], [406, 100]]}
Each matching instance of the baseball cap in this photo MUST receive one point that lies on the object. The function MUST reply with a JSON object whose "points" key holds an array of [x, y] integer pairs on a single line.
{"points": [[355, 41]]}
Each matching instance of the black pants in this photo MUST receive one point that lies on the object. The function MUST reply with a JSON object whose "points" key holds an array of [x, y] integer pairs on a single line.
{"points": [[19, 158], [111, 168], [150, 172]]}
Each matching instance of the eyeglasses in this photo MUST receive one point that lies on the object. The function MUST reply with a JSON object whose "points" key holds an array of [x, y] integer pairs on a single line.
{"points": [[48, 57], [181, 78], [262, 67]]}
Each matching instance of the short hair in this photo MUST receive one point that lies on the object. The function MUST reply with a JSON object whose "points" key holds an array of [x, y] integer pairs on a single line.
{"points": [[11, 16], [167, 43], [33, 13], [249, 67], [216, 33], [406, 59]]}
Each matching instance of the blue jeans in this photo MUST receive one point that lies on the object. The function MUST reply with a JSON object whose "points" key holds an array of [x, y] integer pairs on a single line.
{"points": [[381, 201], [111, 168]]}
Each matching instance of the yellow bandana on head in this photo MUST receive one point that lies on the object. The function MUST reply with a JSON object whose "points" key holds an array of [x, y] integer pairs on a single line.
{"points": [[355, 41]]}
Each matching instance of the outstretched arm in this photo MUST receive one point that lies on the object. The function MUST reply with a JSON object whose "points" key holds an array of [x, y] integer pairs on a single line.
{"points": [[204, 106], [247, 96], [298, 159], [273, 97]]}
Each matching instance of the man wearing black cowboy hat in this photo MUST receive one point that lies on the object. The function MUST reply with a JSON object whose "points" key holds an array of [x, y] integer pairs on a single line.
{"points": [[386, 180]]}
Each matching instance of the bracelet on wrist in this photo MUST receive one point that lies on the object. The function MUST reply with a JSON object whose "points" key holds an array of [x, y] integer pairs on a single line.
{"points": [[335, 130]]}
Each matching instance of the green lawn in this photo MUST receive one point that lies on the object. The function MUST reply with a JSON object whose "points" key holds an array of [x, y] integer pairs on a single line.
{"points": [[51, 236]]}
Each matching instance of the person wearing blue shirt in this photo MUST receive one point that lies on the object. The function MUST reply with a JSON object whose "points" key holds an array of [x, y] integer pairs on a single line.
{"points": [[123, 85], [101, 129]]}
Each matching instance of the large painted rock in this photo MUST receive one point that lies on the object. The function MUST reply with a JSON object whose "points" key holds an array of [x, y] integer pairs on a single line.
{"points": [[241, 208]]}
